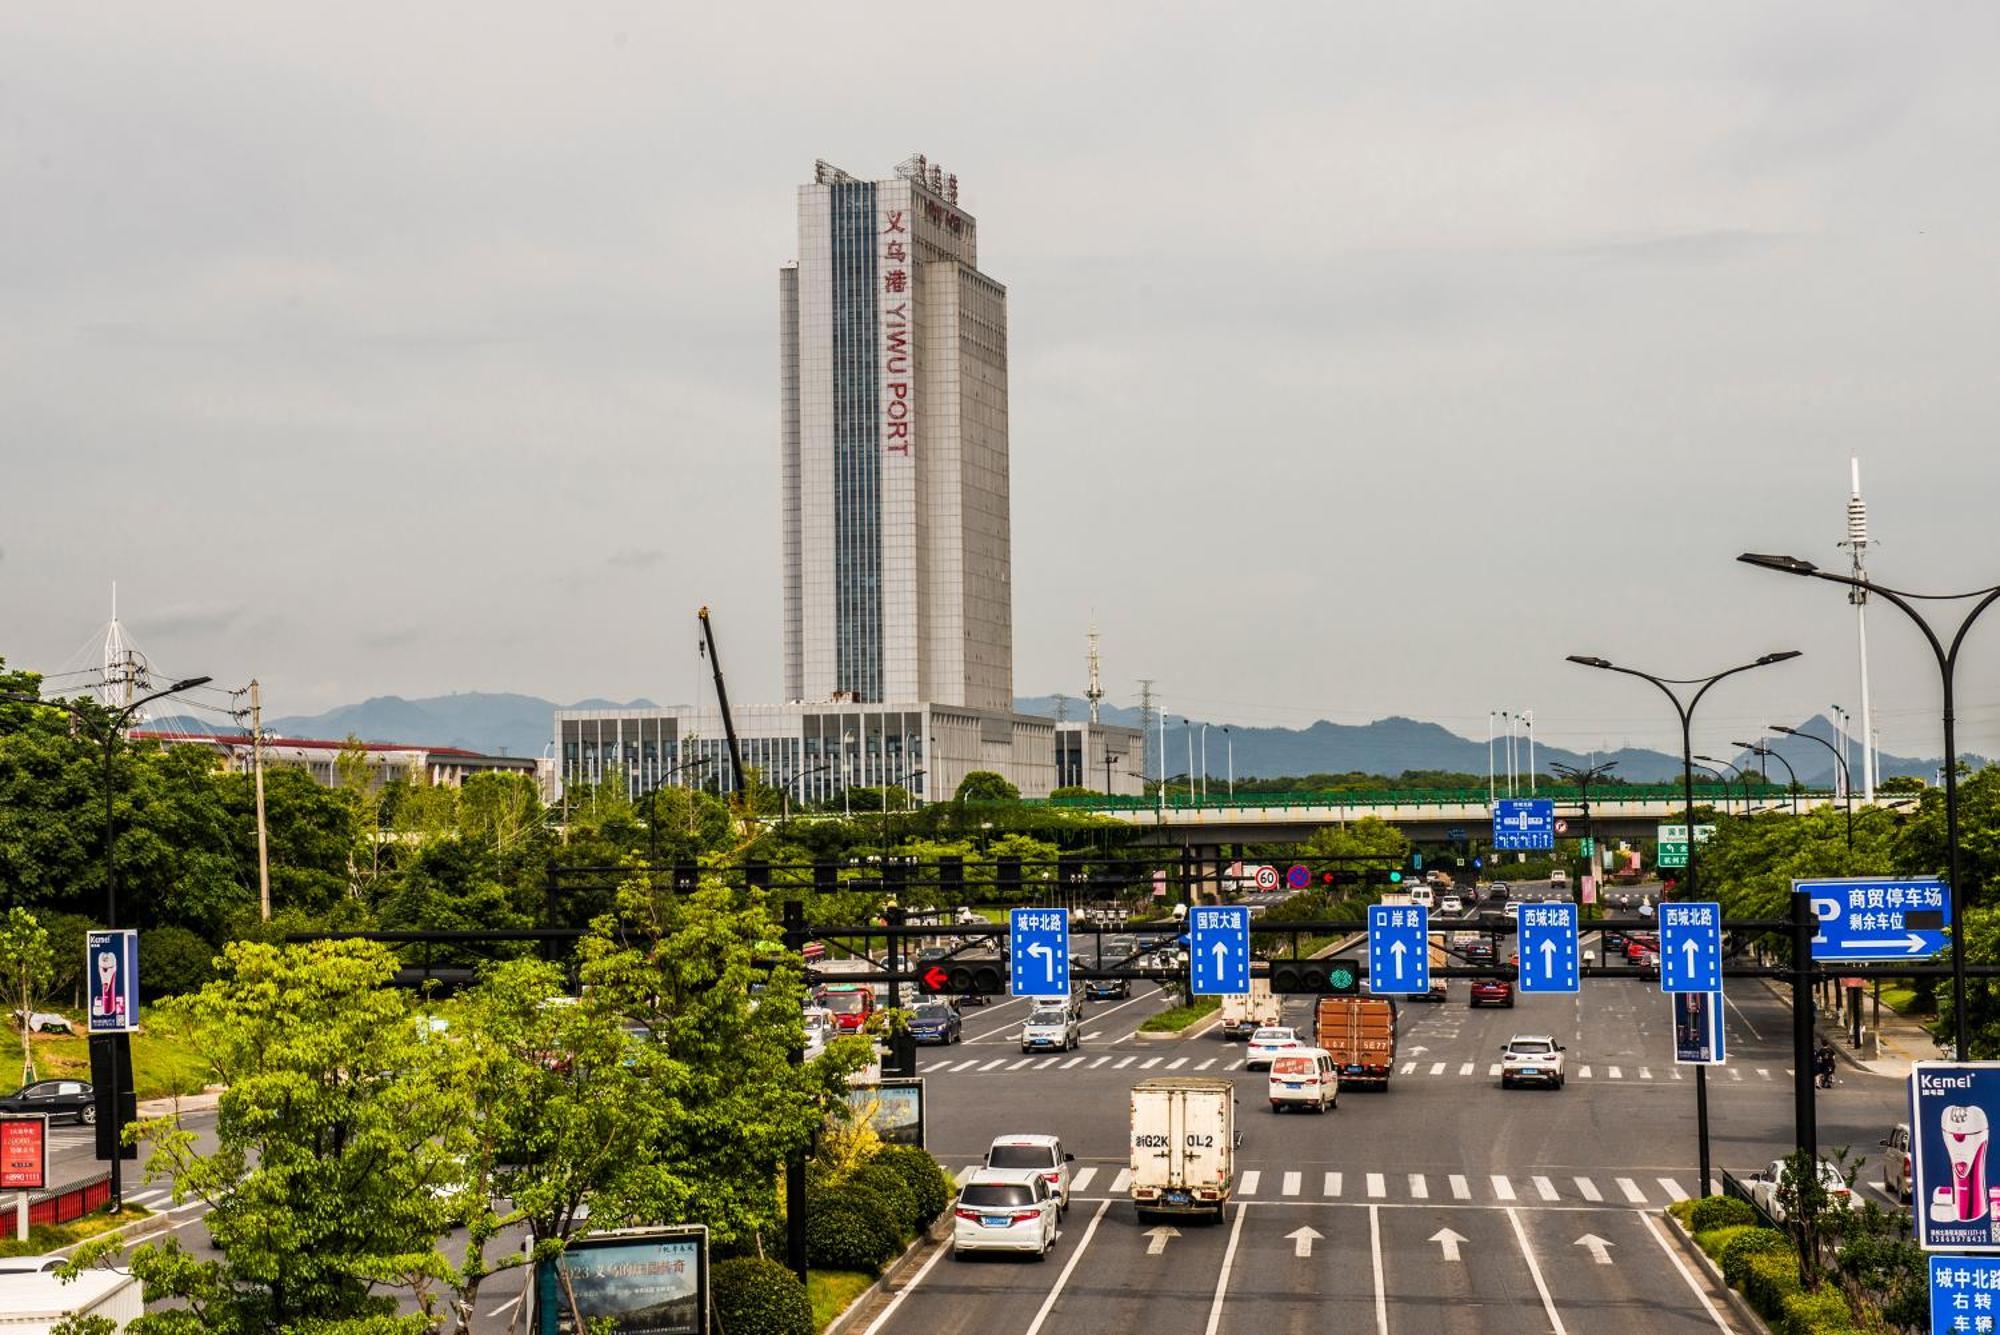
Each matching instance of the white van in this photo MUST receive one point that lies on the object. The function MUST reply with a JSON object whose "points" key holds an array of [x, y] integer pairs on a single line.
{"points": [[1304, 1078], [1421, 894]]}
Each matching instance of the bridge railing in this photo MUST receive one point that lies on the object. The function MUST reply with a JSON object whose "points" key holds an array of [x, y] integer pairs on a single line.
{"points": [[1709, 794]]}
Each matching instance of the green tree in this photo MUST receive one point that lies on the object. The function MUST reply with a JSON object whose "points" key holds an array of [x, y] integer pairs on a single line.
{"points": [[1368, 842], [27, 970], [983, 785]]}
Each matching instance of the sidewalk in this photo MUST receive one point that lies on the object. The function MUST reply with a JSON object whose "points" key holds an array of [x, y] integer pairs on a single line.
{"points": [[1899, 1041], [205, 1101]]}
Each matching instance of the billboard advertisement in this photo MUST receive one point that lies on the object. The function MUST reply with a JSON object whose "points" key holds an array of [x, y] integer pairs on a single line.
{"points": [[111, 971], [1954, 1197], [1698, 1033], [644, 1281], [24, 1153], [895, 1108]]}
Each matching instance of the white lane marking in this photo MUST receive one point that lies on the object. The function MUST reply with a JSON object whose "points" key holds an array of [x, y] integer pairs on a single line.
{"points": [[1503, 1188], [1234, 1065], [1378, 1185], [1677, 1073], [1735, 1074], [1546, 1189], [1437, 1068], [1073, 1061], [1461, 1190], [1081, 1178], [1614, 1073], [1583, 1073], [1330, 1185], [1048, 1303], [1672, 1188], [1409, 1067], [1222, 1280], [1631, 1190], [1375, 1247], [904, 1292], [1731, 1003], [1045, 1065], [1122, 1183], [1494, 1069], [1150, 1063], [995, 1064], [1419, 1188], [1290, 1186], [1763, 1073], [1205, 1065], [1250, 1181], [507, 1306], [1093, 1036], [1099, 1062], [1126, 1038], [1465, 1068], [1124, 1062], [1789, 1073], [1177, 1063], [1535, 1273], [1019, 1064], [1645, 1073], [1589, 1189], [1647, 1219]]}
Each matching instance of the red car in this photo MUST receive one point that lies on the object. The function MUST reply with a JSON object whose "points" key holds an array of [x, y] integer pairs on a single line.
{"points": [[1491, 992], [1640, 945]]}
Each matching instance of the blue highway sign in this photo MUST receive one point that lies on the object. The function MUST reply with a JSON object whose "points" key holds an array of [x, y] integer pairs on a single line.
{"points": [[1524, 823], [1885, 918], [1219, 951], [1965, 1295], [1399, 956], [1038, 952], [1954, 1107], [1548, 948], [1690, 947]]}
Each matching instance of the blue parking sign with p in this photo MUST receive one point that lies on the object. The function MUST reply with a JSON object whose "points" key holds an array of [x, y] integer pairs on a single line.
{"points": [[1038, 952]]}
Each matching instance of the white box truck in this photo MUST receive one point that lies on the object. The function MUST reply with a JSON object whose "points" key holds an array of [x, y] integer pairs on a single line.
{"points": [[35, 1303], [1245, 1013], [1183, 1145]]}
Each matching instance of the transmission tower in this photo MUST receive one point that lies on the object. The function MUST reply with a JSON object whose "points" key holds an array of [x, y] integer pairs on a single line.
{"points": [[1856, 545], [1095, 692]]}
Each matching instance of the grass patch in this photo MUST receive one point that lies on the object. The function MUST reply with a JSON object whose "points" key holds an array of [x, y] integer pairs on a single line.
{"points": [[163, 1062], [1897, 998], [1683, 1211], [45, 1238], [1715, 1239], [1180, 1017], [831, 1292]]}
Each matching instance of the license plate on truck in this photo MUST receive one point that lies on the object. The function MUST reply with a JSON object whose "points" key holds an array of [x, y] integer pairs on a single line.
{"points": [[1179, 1198]]}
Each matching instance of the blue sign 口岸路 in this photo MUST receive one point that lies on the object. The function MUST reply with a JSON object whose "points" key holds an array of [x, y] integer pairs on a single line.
{"points": [[1878, 918], [111, 971], [1038, 952], [1549, 948], [1699, 1036], [1219, 951], [1690, 947], [1953, 1109], [1399, 956], [1524, 823], [1965, 1295]]}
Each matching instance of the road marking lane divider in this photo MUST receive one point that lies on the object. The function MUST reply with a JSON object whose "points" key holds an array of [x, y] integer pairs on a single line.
{"points": [[1080, 1180], [1250, 1181], [1646, 1219], [1069, 1268], [1419, 1188], [1461, 1190], [1378, 1185], [882, 1319], [1121, 1183], [1535, 1273], [1631, 1190], [1222, 1279], [1546, 1189], [1375, 1248], [1672, 1188]]}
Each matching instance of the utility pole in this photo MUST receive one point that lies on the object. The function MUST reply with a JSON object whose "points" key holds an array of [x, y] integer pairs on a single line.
{"points": [[263, 832]]}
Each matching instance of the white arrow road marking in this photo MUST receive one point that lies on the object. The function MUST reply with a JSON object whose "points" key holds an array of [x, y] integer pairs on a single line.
{"points": [[1157, 1238], [1600, 1250], [1448, 1242], [1302, 1240], [1418, 1051]]}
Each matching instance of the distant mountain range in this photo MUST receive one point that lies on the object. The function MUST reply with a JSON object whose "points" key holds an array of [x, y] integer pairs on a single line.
{"points": [[522, 725]]}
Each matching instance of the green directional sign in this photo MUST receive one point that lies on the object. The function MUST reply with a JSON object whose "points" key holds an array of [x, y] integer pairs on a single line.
{"points": [[1674, 843], [1589, 846]]}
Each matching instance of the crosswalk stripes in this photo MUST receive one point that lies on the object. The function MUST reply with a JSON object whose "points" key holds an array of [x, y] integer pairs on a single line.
{"points": [[1588, 1189], [1672, 1188], [1045, 1065], [1150, 1063], [1631, 1190], [1330, 1185], [1612, 1072], [995, 1064], [1177, 1063], [1763, 1074], [1073, 1061], [1735, 1074], [1407, 1067], [1019, 1064], [1465, 1068], [1205, 1065], [1546, 1189], [145, 1198], [1461, 1190], [1393, 1188], [1420, 1190], [1503, 1188], [1645, 1073], [1583, 1073], [1437, 1068], [1234, 1065], [1124, 1062], [1378, 1186], [1122, 1183], [1494, 1069], [1291, 1184], [1423, 1071], [1080, 1180], [1250, 1181], [1099, 1062]]}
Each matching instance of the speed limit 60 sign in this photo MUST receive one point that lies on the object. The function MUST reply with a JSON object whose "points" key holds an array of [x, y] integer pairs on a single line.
{"points": [[1267, 878]]}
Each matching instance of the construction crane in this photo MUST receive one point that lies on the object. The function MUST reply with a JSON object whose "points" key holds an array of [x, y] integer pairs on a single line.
{"points": [[722, 699]]}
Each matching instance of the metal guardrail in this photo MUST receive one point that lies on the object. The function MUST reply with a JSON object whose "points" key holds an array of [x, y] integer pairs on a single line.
{"points": [[1712, 794], [1732, 1186]]}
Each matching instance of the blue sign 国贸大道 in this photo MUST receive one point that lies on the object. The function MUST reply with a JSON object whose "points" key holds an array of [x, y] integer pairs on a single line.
{"points": [[1219, 951], [1690, 947], [1526, 824], [1549, 948], [1953, 1195], [1878, 918], [1038, 952], [1399, 957]]}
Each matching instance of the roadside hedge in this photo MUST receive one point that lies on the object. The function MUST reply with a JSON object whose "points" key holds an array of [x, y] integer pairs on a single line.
{"points": [[848, 1228], [923, 1176], [1719, 1212], [1822, 1313], [755, 1296], [1749, 1243], [886, 1182], [1770, 1279]]}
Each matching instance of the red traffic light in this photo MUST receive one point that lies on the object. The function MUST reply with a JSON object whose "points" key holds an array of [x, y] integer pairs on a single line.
{"points": [[935, 980]]}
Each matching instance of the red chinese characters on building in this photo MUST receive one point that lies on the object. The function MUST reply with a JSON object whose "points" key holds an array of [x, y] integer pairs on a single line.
{"points": [[895, 324]]}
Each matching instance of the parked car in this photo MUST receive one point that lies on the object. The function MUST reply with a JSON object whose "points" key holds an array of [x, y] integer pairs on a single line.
{"points": [[1765, 1184], [1479, 952], [1896, 1162], [936, 1022], [1491, 992], [1531, 1059], [999, 1210], [55, 1098]]}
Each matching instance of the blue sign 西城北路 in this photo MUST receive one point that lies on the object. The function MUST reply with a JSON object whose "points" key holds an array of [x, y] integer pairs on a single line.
{"points": [[1399, 957], [1690, 947], [1038, 950], [111, 971], [1878, 918], [1219, 951], [1526, 824], [1953, 1109], [1549, 948], [1699, 1036], [1965, 1295]]}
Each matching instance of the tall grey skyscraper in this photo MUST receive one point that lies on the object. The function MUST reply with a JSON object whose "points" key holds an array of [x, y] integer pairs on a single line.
{"points": [[894, 468]]}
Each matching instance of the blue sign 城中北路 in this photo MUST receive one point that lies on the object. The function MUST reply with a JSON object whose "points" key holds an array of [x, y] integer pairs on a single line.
{"points": [[1038, 952], [111, 972], [1399, 957], [1965, 1295], [1549, 948], [1219, 951], [1526, 824], [1954, 1107], [1878, 918], [1690, 947]]}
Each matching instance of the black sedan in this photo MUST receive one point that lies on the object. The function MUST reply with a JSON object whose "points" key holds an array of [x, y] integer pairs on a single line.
{"points": [[936, 1022], [56, 1098]]}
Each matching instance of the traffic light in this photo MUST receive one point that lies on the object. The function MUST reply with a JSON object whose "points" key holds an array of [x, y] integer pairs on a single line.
{"points": [[1395, 878], [963, 978], [1318, 977]]}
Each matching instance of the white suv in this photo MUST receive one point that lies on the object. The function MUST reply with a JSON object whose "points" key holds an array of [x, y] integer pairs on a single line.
{"points": [[1041, 1155], [1531, 1059]]}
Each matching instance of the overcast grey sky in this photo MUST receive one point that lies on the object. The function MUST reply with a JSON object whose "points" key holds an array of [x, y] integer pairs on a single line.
{"points": [[1366, 359]]}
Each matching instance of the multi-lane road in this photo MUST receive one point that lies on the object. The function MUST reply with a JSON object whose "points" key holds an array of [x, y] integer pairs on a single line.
{"points": [[1442, 1204]]}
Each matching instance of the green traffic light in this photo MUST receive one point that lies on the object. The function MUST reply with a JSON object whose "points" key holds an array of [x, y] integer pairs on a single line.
{"points": [[1395, 878]]}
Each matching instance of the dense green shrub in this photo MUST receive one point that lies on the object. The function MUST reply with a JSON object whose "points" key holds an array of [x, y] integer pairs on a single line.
{"points": [[1771, 1278], [1736, 1256], [848, 1228], [754, 1296], [1719, 1212], [923, 1176], [887, 1183], [1822, 1313], [1717, 1239], [173, 960]]}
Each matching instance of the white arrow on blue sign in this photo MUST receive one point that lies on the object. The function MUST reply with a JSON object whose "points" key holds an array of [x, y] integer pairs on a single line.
{"points": [[1878, 918], [1690, 947], [1399, 956], [1038, 952], [1219, 951], [1524, 823], [1549, 948]]}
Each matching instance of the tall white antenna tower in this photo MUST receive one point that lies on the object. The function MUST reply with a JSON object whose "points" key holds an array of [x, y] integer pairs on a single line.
{"points": [[126, 673], [1857, 546], [1096, 691]]}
